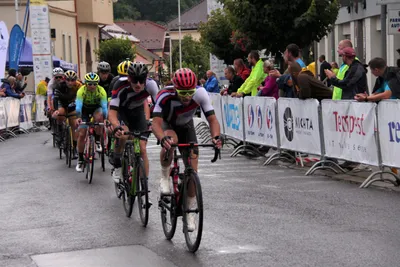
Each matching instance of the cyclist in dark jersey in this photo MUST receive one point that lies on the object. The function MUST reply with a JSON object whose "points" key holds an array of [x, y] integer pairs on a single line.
{"points": [[104, 72], [173, 124]]}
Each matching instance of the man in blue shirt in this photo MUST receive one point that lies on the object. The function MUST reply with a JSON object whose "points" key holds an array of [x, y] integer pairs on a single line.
{"points": [[211, 85]]}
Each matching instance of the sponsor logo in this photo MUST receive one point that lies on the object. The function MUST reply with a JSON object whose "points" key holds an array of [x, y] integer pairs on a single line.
{"points": [[269, 119], [232, 116], [259, 117], [394, 132], [288, 124], [250, 116], [349, 124]]}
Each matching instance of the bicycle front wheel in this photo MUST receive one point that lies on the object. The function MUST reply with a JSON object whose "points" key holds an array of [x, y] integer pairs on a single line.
{"points": [[127, 198], [67, 145], [91, 159], [192, 212], [102, 154], [142, 192]]}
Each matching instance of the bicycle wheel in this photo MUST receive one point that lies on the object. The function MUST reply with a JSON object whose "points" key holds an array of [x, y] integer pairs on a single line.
{"points": [[67, 145], [168, 206], [61, 142], [193, 238], [91, 158], [142, 192], [102, 154], [127, 199], [71, 146]]}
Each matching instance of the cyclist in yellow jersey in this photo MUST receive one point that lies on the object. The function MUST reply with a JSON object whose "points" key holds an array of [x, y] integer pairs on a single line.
{"points": [[41, 88], [91, 101]]}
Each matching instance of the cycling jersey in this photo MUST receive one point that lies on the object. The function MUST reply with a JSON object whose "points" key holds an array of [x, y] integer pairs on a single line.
{"points": [[64, 94], [41, 88], [170, 108], [106, 84], [51, 86], [88, 101], [114, 82]]}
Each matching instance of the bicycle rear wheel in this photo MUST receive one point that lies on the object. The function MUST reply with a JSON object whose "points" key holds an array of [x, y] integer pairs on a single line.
{"points": [[61, 141], [102, 154], [142, 192], [168, 206], [127, 199], [91, 159], [67, 144], [193, 238], [71, 146]]}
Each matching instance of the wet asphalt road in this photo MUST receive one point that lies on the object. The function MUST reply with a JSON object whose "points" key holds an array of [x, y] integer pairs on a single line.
{"points": [[254, 216]]}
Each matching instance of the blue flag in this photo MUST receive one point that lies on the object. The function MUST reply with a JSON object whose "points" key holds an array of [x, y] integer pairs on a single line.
{"points": [[16, 43]]}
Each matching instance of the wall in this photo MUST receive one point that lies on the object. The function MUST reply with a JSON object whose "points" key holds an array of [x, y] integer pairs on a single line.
{"points": [[88, 33], [95, 11]]}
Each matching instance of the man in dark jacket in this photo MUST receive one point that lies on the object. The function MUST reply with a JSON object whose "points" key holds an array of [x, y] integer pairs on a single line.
{"points": [[324, 66], [307, 86], [235, 81], [355, 79]]}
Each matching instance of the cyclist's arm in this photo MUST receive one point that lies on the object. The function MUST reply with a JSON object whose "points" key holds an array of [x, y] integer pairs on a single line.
{"points": [[152, 89], [79, 101], [55, 101], [156, 126], [158, 115], [114, 108], [104, 101], [146, 109]]}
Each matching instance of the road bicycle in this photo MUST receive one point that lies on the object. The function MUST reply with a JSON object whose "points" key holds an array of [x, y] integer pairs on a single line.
{"points": [[175, 205], [66, 140]]}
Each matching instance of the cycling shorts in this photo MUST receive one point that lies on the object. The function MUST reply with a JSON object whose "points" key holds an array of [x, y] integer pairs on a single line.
{"points": [[87, 114]]}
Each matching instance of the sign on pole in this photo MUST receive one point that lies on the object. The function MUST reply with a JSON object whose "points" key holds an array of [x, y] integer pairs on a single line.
{"points": [[393, 22]]}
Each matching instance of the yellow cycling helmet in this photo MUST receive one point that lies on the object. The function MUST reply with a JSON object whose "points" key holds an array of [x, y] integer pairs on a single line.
{"points": [[92, 77], [123, 67], [70, 74]]}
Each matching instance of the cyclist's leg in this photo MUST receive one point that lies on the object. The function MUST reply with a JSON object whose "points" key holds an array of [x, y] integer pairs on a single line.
{"points": [[81, 143], [98, 117], [75, 133], [166, 164], [118, 150]]}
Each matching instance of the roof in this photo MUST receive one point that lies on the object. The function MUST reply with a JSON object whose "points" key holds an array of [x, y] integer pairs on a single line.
{"points": [[191, 18], [151, 34], [146, 53], [139, 58], [115, 31]]}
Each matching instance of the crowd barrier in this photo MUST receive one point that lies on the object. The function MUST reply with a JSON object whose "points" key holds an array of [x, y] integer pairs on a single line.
{"points": [[343, 130], [21, 115]]}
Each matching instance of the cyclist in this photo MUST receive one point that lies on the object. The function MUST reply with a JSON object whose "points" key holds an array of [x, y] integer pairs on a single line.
{"points": [[64, 101], [58, 77], [104, 72], [91, 101], [173, 124], [128, 103], [122, 70]]}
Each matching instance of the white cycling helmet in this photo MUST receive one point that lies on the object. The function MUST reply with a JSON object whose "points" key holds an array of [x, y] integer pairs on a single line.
{"points": [[58, 71], [103, 66]]}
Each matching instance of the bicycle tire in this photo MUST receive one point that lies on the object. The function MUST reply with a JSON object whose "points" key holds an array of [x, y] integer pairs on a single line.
{"points": [[127, 199], [71, 146], [142, 192], [91, 159], [67, 145], [169, 228], [193, 245], [61, 142], [102, 154]]}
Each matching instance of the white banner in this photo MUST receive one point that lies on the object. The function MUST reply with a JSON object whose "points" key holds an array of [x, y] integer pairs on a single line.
{"points": [[25, 113], [3, 115], [349, 131], [41, 42], [39, 108], [216, 103], [393, 21], [3, 48], [12, 106], [233, 116], [299, 125], [260, 120], [389, 132]]}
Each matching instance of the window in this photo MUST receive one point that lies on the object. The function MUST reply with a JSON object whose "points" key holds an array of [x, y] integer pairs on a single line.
{"points": [[95, 43], [64, 48], [80, 48], [70, 48]]}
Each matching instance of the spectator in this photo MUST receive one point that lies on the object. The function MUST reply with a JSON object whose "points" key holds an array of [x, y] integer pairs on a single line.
{"points": [[307, 85], [292, 53], [387, 84], [235, 81], [335, 68], [257, 75], [355, 79], [42, 87], [12, 73], [212, 83], [2, 91], [202, 82], [241, 69], [9, 85], [324, 66], [311, 67], [270, 87], [20, 83]]}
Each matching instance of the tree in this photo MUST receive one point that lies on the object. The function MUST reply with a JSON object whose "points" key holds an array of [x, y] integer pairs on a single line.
{"points": [[221, 38], [124, 11], [114, 51], [274, 24], [194, 56]]}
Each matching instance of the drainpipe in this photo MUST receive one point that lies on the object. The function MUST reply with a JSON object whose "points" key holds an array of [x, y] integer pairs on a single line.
{"points": [[77, 40]]}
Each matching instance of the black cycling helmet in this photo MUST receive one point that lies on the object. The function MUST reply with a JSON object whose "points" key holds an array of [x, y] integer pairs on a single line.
{"points": [[138, 69]]}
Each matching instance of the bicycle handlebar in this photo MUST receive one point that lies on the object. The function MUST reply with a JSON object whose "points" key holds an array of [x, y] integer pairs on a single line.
{"points": [[66, 116], [217, 152], [137, 133], [92, 123]]}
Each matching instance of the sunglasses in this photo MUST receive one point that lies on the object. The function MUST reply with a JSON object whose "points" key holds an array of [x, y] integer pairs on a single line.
{"points": [[186, 92], [58, 77], [92, 84], [70, 80], [104, 72], [140, 80]]}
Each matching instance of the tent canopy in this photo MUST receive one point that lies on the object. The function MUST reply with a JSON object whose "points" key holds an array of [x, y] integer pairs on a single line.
{"points": [[26, 59]]}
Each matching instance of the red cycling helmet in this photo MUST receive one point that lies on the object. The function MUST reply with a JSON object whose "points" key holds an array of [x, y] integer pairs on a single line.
{"points": [[184, 79]]}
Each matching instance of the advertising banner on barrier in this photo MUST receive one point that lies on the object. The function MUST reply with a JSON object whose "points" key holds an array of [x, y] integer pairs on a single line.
{"points": [[349, 131], [389, 132], [3, 117], [216, 103], [299, 125], [3, 48], [233, 116], [40, 106], [259, 120], [25, 113], [12, 106]]}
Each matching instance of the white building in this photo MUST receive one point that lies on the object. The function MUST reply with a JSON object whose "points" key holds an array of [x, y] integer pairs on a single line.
{"points": [[359, 21]]}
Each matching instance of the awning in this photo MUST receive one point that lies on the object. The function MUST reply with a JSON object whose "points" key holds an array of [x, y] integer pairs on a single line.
{"points": [[26, 59]]}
